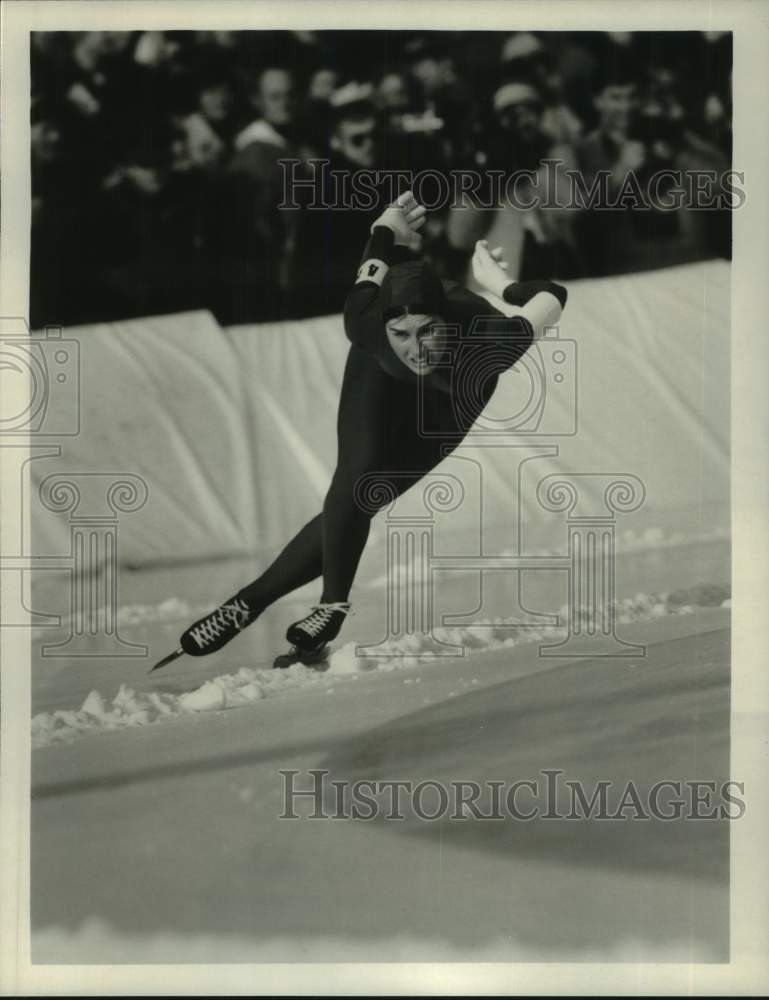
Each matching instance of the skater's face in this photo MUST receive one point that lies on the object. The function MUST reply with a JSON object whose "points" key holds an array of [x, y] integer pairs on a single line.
{"points": [[419, 340]]}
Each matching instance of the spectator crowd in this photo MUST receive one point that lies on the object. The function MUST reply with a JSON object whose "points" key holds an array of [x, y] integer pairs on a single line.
{"points": [[156, 157]]}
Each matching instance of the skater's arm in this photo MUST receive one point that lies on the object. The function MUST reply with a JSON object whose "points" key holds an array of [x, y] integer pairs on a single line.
{"points": [[394, 239], [381, 253], [520, 293], [361, 315], [543, 309], [540, 303]]}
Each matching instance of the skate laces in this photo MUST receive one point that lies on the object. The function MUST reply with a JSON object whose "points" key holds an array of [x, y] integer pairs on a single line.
{"points": [[321, 615], [235, 613]]}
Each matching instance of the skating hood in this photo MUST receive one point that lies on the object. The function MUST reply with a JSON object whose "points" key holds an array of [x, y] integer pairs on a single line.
{"points": [[415, 286], [412, 286]]}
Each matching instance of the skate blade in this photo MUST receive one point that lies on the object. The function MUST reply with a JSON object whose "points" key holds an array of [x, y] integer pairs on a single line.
{"points": [[307, 659], [167, 659]]}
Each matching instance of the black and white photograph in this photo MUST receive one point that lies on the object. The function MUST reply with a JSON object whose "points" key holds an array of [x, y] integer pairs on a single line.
{"points": [[383, 458]]}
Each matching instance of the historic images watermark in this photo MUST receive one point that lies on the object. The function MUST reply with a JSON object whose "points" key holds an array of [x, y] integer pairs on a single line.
{"points": [[314, 184], [41, 412], [550, 795]]}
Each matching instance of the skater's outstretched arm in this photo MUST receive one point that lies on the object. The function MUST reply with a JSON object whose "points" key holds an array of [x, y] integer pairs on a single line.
{"points": [[539, 302], [394, 238]]}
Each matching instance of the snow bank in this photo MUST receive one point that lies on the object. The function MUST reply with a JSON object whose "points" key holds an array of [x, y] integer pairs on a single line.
{"points": [[129, 708], [98, 942]]}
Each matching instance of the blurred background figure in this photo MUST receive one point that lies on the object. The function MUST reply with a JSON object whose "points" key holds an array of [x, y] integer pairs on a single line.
{"points": [[315, 119], [613, 148], [525, 59], [156, 157], [262, 236], [538, 239], [353, 139], [432, 62], [329, 240], [645, 128]]}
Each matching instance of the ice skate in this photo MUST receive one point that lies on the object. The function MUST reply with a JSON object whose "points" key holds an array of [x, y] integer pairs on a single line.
{"points": [[210, 633], [319, 627]]}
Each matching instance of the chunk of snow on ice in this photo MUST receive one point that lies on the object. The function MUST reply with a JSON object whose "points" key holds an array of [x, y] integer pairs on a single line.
{"points": [[207, 698], [344, 660], [251, 692], [94, 705]]}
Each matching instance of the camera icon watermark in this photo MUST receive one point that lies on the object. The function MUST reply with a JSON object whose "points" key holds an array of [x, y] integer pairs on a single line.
{"points": [[47, 401], [40, 390], [540, 398]]}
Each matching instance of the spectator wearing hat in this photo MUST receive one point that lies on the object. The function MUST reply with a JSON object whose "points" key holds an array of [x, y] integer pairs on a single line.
{"points": [[525, 59], [432, 69], [328, 239], [353, 140], [612, 149], [537, 239]]}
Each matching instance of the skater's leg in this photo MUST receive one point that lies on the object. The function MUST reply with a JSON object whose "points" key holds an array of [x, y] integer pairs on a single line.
{"points": [[363, 426], [379, 436], [345, 533], [363, 434], [342, 528], [300, 562], [346, 523]]}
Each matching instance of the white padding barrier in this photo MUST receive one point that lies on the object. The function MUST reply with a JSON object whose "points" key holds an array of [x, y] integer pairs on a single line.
{"points": [[233, 431]]}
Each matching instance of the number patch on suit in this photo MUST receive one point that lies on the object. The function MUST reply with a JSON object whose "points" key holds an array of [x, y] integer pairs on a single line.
{"points": [[372, 270]]}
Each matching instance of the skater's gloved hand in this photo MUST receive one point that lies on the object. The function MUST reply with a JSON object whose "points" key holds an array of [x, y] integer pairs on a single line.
{"points": [[405, 218], [490, 268]]}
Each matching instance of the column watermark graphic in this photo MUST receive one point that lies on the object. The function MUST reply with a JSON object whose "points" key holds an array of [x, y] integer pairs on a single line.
{"points": [[588, 564], [41, 412], [93, 502], [543, 407]]}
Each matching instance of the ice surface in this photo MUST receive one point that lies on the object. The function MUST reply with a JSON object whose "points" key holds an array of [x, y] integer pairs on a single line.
{"points": [[130, 708]]}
